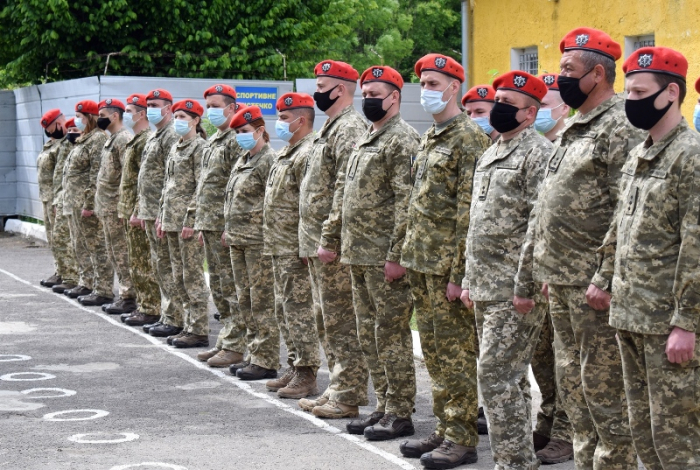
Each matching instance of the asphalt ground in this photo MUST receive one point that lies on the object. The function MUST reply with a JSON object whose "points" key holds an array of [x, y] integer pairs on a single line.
{"points": [[80, 390]]}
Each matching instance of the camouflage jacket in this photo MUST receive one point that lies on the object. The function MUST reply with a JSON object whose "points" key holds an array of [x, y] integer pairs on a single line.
{"points": [[281, 206], [656, 285], [64, 150], [152, 172], [110, 173], [377, 187], [182, 170], [45, 166], [128, 186], [220, 154], [80, 172], [506, 184], [438, 210], [579, 194], [245, 193], [321, 193]]}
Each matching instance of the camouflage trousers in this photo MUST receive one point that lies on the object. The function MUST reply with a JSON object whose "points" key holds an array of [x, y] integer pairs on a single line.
{"points": [[383, 313], [320, 329], [663, 400], [552, 421], [62, 248], [223, 291], [589, 377], [82, 257], [507, 341], [141, 271], [118, 251], [89, 245], [255, 284], [171, 309], [49, 219], [447, 341], [187, 262], [296, 319]]}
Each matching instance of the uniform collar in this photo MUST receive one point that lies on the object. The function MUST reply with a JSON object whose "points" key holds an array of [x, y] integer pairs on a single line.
{"points": [[584, 119], [165, 128], [369, 136], [329, 123], [219, 135], [112, 136], [289, 149], [652, 149], [449, 124], [248, 160], [503, 148]]}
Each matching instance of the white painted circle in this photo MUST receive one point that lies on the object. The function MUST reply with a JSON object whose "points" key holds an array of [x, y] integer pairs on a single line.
{"points": [[13, 377], [150, 464], [96, 414], [63, 391], [14, 357], [86, 438]]}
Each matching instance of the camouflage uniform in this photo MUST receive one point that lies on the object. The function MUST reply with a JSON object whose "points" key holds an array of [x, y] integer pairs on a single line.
{"points": [[252, 270], [140, 265], [178, 205], [106, 201], [499, 266], [220, 153], [295, 312], [87, 234], [45, 165], [320, 207], [66, 264], [433, 253], [575, 208], [655, 288], [150, 189], [377, 187]]}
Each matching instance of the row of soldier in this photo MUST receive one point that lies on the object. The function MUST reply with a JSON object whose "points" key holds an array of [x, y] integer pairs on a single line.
{"points": [[578, 242]]}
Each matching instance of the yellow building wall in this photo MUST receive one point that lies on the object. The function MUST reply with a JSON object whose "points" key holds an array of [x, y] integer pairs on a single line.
{"points": [[498, 26]]}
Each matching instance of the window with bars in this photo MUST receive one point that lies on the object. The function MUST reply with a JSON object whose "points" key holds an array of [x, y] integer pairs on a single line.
{"points": [[632, 43], [525, 59]]}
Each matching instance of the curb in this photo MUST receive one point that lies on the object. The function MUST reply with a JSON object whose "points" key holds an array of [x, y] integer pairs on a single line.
{"points": [[26, 228]]}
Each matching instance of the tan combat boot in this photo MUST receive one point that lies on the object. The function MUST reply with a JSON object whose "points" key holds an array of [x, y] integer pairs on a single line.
{"points": [[281, 382], [225, 358], [204, 356], [302, 385], [307, 404], [335, 410]]}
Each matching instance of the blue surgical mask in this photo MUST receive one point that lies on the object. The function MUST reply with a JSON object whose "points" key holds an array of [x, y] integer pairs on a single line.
{"points": [[129, 120], [696, 117], [154, 115], [431, 100], [216, 116], [80, 124], [484, 123], [282, 130], [182, 126], [544, 121], [246, 140]]}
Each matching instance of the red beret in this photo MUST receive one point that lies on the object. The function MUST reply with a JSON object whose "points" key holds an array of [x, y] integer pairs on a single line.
{"points": [[159, 94], [697, 85], [294, 101], [440, 63], [382, 73], [245, 115], [111, 103], [137, 99], [336, 69], [522, 82], [49, 116], [86, 107], [479, 93], [550, 79], [656, 60], [190, 106], [220, 90], [589, 39], [70, 123]]}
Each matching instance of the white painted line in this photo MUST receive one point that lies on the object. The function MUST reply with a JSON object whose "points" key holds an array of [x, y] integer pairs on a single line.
{"points": [[95, 414], [150, 464], [63, 391], [13, 377], [84, 438], [14, 357], [234, 381]]}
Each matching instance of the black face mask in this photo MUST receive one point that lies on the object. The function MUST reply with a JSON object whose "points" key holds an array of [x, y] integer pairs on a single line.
{"points": [[503, 117], [372, 107], [56, 134], [324, 101], [642, 114], [73, 136], [570, 90], [103, 123]]}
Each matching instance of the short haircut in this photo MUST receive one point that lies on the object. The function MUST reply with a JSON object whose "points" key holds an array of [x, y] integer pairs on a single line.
{"points": [[530, 101], [119, 111], [590, 59], [307, 113], [228, 99], [664, 79]]}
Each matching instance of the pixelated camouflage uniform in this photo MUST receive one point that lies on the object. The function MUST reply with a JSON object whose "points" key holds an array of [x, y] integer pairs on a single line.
{"points": [[433, 253], [220, 154], [62, 246], [498, 267], [320, 206], [655, 289], [45, 166], [252, 270], [377, 188], [575, 208], [141, 268], [178, 204]]}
